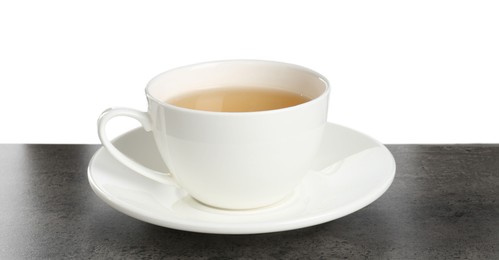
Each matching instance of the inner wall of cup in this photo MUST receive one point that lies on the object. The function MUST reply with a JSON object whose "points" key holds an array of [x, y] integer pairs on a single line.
{"points": [[237, 74]]}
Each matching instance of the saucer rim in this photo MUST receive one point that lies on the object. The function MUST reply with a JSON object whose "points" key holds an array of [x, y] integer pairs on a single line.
{"points": [[248, 228]]}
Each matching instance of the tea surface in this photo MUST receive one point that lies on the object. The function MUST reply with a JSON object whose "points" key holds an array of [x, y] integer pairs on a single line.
{"points": [[238, 99]]}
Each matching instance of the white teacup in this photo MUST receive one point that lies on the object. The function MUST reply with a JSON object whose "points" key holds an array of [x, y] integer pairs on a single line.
{"points": [[231, 160]]}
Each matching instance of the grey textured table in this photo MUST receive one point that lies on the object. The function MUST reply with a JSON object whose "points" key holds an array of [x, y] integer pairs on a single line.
{"points": [[443, 203]]}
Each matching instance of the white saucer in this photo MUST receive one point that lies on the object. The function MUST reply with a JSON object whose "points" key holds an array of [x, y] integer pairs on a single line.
{"points": [[350, 172]]}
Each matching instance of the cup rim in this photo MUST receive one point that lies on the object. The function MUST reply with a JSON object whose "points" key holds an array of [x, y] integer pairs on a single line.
{"points": [[324, 94]]}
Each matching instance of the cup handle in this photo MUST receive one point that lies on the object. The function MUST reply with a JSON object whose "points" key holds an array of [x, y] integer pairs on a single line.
{"points": [[145, 120]]}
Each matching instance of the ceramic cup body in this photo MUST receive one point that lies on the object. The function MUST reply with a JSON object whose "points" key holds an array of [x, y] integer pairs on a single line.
{"points": [[232, 160]]}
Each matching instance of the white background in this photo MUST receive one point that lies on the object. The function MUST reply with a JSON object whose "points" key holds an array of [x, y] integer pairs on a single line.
{"points": [[401, 71]]}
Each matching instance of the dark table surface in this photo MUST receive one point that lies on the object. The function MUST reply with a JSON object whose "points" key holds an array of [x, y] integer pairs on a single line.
{"points": [[443, 203]]}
